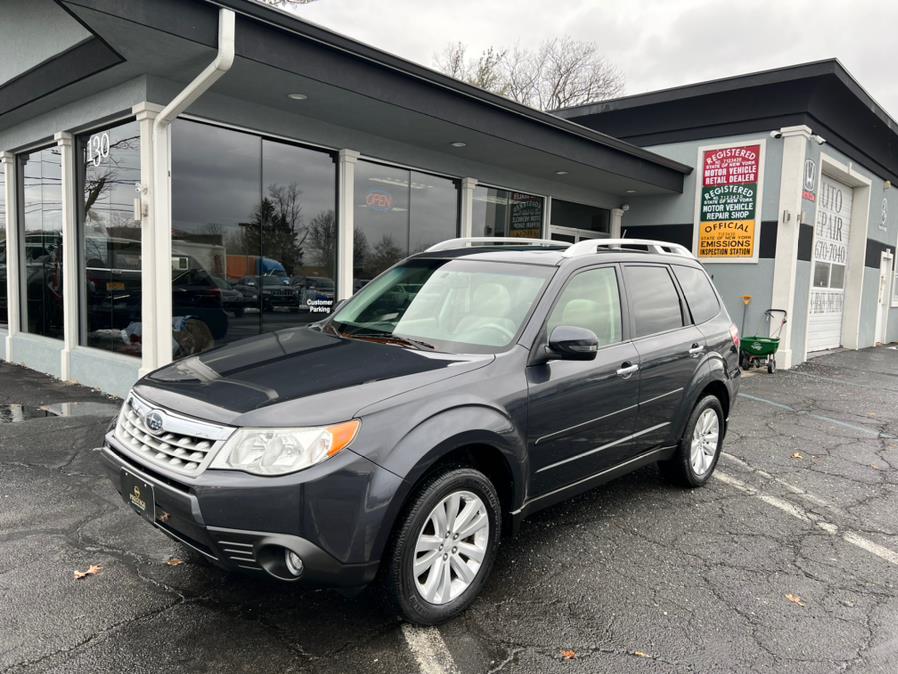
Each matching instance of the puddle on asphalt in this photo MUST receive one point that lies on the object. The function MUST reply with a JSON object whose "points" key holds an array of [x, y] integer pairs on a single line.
{"points": [[82, 409], [11, 413]]}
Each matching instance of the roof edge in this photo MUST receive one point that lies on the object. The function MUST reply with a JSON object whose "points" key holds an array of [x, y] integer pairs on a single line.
{"points": [[286, 21]]}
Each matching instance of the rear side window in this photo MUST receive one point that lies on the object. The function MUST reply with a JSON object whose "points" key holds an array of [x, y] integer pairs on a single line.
{"points": [[654, 301], [699, 293]]}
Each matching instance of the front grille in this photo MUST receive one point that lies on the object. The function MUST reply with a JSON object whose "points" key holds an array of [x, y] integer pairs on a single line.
{"points": [[182, 445]]}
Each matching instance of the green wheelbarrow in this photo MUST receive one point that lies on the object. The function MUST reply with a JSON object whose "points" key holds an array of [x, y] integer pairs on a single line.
{"points": [[757, 351]]}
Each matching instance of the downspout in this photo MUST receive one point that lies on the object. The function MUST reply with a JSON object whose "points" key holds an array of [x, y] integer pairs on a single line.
{"points": [[162, 248]]}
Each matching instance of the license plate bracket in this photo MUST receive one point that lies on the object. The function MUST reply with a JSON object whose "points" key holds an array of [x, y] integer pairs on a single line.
{"points": [[139, 494]]}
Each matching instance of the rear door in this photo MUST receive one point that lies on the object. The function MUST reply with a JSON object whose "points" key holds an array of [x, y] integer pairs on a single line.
{"points": [[581, 413], [669, 347]]}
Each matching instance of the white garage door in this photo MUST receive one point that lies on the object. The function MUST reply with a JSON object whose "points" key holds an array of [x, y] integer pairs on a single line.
{"points": [[830, 255]]}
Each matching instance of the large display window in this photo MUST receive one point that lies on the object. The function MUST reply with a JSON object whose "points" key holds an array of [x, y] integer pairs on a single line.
{"points": [[399, 212], [109, 239], [499, 212], [254, 238], [40, 222]]}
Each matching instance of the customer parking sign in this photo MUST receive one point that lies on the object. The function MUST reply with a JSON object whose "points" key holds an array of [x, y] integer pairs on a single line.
{"points": [[728, 203]]}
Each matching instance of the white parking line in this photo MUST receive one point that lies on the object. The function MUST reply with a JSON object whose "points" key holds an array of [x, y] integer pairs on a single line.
{"points": [[821, 417], [799, 513], [429, 649]]}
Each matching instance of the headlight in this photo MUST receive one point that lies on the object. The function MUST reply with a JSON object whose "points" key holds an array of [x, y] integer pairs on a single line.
{"points": [[276, 451]]}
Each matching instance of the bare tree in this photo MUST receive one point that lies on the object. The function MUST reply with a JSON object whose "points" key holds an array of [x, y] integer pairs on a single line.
{"points": [[559, 73]]}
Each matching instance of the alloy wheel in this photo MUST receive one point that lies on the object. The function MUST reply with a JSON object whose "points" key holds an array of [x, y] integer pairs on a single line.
{"points": [[451, 547], [704, 442]]}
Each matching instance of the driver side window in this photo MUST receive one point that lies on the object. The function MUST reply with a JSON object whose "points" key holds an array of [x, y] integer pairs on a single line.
{"points": [[590, 300]]}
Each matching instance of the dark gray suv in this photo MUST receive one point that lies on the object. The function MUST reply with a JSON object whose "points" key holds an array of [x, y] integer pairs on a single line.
{"points": [[458, 392]]}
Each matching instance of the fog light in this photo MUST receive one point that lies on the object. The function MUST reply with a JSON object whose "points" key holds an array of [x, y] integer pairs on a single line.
{"points": [[294, 562]]}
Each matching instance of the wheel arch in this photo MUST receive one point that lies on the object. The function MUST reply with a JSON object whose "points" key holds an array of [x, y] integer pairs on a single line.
{"points": [[494, 449]]}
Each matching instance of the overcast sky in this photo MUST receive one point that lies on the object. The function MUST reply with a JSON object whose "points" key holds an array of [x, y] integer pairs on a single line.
{"points": [[655, 43]]}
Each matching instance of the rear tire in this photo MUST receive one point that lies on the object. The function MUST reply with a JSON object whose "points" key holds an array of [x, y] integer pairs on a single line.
{"points": [[451, 570], [699, 449], [771, 365]]}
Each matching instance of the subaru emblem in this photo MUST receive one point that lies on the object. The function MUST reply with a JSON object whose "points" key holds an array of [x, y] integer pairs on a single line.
{"points": [[153, 422]]}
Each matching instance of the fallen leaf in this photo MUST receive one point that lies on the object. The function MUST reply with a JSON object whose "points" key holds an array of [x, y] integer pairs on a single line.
{"points": [[92, 570], [174, 561], [568, 655], [797, 455], [795, 599], [641, 654]]}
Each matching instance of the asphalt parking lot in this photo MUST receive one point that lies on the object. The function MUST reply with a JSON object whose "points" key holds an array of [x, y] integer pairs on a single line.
{"points": [[786, 562]]}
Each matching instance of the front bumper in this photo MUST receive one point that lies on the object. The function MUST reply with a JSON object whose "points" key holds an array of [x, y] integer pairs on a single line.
{"points": [[244, 523]]}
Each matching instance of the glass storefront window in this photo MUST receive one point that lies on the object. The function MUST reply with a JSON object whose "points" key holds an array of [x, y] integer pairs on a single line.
{"points": [[253, 235], [581, 216], [40, 218], [110, 254], [500, 212], [4, 301], [398, 212]]}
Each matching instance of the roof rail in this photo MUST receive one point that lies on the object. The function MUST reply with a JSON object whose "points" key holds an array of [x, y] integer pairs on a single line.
{"points": [[589, 246], [468, 241]]}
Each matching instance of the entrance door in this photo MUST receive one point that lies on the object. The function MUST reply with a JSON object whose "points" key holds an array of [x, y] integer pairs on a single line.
{"points": [[884, 298], [573, 234], [831, 234]]}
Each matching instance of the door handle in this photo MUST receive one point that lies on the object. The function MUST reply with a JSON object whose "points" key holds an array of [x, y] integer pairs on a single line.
{"points": [[696, 349], [627, 369]]}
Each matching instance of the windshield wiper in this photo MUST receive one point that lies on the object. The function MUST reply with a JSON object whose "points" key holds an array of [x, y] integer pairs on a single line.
{"points": [[390, 338]]}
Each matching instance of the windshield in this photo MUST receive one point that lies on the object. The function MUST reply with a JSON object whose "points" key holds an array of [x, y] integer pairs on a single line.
{"points": [[457, 306]]}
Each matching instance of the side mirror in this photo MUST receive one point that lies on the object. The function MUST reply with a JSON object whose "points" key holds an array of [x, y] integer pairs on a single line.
{"points": [[568, 342]]}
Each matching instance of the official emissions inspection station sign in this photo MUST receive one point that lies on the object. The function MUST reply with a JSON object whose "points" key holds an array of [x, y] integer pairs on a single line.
{"points": [[728, 203]]}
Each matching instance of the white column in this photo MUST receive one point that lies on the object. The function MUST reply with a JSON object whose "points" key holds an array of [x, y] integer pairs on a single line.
{"points": [[616, 225], [145, 113], [70, 247], [161, 316], [785, 263], [345, 221], [467, 206], [547, 218], [13, 290]]}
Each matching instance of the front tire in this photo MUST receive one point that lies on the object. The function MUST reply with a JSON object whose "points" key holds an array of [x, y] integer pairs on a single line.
{"points": [[443, 547], [699, 449]]}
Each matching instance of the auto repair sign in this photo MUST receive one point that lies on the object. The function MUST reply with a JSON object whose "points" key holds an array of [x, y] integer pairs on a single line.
{"points": [[728, 203]]}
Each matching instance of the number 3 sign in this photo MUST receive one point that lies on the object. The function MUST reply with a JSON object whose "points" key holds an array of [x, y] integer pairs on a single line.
{"points": [[98, 148]]}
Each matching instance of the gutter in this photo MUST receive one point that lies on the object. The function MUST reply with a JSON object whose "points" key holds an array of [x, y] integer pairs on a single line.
{"points": [[161, 340]]}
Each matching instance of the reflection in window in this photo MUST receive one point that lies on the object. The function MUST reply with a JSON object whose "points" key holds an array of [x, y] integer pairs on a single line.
{"points": [[397, 213], [40, 220], [654, 300], [110, 239], [580, 216], [3, 291], [504, 213], [253, 235]]}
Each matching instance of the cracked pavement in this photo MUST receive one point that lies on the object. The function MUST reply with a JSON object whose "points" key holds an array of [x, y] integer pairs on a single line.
{"points": [[637, 576]]}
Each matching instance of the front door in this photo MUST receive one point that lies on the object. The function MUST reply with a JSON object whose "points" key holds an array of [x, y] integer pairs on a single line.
{"points": [[574, 234], [831, 233], [581, 413]]}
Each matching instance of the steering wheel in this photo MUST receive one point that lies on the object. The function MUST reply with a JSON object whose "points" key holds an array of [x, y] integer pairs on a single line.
{"points": [[501, 329]]}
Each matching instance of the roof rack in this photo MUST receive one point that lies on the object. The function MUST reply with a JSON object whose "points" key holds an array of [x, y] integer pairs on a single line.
{"points": [[469, 241], [638, 245]]}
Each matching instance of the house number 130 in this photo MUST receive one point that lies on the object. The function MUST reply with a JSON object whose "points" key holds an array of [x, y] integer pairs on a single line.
{"points": [[98, 148]]}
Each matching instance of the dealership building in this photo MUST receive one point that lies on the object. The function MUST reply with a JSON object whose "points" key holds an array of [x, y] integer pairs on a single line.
{"points": [[179, 174]]}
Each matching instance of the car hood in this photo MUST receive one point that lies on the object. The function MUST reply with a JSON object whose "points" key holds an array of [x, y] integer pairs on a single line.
{"points": [[296, 377]]}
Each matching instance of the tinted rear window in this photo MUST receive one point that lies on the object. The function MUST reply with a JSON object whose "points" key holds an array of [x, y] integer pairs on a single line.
{"points": [[699, 293], [654, 301]]}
